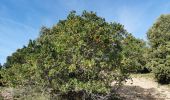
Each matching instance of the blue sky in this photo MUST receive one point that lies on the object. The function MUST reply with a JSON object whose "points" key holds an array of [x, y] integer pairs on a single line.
{"points": [[21, 20]]}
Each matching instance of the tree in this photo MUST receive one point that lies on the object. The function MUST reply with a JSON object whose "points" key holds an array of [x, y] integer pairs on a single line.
{"points": [[134, 59], [0, 66], [81, 53], [0, 75], [159, 39]]}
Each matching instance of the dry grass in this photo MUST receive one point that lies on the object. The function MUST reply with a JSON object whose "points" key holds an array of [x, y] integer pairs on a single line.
{"points": [[147, 76], [22, 94]]}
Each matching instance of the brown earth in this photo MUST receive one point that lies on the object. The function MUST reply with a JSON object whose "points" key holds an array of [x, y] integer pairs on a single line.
{"points": [[142, 88]]}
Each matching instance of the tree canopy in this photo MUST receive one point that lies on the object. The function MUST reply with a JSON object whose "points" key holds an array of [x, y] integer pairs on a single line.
{"points": [[159, 39], [80, 53]]}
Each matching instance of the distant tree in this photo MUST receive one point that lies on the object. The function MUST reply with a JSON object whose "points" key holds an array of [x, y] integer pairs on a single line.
{"points": [[134, 59], [0, 75], [159, 39], [0, 66]]}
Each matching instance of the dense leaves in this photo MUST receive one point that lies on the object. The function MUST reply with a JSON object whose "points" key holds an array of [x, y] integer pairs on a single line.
{"points": [[134, 55], [159, 39], [0, 75], [85, 54], [81, 53]]}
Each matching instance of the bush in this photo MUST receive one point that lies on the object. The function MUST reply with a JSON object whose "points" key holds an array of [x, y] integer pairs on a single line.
{"points": [[134, 50], [81, 53], [162, 74], [159, 56]]}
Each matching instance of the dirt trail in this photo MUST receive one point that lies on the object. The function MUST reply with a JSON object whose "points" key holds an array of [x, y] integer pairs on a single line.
{"points": [[142, 88]]}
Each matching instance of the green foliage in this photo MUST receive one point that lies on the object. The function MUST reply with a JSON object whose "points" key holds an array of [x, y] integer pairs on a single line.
{"points": [[0, 75], [134, 55], [81, 53], [159, 39], [162, 73]]}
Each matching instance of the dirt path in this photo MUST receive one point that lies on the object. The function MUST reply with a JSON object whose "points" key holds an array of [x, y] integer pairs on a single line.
{"points": [[142, 88]]}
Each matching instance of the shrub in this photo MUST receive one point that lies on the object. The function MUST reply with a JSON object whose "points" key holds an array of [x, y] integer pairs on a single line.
{"points": [[134, 51], [162, 73], [81, 53], [159, 40]]}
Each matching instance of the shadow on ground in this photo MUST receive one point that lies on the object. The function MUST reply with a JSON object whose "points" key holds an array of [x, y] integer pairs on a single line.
{"points": [[138, 93]]}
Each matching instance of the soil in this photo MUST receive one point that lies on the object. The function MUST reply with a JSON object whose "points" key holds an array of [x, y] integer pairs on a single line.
{"points": [[142, 88]]}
